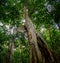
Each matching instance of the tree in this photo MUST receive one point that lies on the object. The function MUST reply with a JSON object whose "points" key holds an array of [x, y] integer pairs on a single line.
{"points": [[31, 15]]}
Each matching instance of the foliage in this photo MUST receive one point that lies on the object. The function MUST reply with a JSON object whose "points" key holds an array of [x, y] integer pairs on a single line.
{"points": [[46, 23]]}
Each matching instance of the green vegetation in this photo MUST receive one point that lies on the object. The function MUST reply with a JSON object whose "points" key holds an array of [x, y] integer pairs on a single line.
{"points": [[14, 39]]}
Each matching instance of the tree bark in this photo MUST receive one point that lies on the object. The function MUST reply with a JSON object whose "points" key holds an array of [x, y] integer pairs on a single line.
{"points": [[32, 36], [38, 47]]}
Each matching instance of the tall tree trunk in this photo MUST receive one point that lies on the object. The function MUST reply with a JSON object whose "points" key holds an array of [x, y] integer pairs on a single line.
{"points": [[38, 47], [32, 37]]}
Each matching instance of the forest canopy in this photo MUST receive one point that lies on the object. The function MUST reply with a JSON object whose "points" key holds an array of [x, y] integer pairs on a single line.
{"points": [[29, 29]]}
